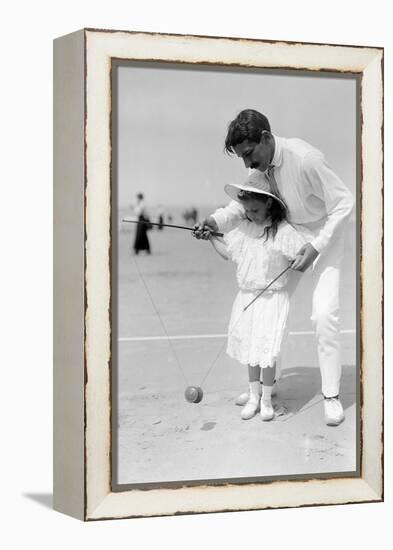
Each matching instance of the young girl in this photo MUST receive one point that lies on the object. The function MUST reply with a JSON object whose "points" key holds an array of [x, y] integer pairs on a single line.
{"points": [[262, 246]]}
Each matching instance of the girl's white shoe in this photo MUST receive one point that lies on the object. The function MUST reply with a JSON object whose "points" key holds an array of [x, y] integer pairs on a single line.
{"points": [[251, 408], [267, 411], [242, 399]]}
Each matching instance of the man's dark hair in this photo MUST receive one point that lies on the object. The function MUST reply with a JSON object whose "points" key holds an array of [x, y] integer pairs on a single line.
{"points": [[277, 211], [248, 124]]}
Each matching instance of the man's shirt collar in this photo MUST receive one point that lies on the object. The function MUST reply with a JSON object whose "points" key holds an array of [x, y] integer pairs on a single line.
{"points": [[277, 157]]}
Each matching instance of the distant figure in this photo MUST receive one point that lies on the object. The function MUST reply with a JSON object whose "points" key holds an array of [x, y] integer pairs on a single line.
{"points": [[170, 218], [194, 215], [160, 212], [141, 241], [190, 215]]}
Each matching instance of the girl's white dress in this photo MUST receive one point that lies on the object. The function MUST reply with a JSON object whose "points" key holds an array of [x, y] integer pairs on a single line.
{"points": [[255, 335]]}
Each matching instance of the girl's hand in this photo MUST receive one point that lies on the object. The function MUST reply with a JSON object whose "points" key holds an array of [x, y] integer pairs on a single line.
{"points": [[204, 229], [304, 258]]}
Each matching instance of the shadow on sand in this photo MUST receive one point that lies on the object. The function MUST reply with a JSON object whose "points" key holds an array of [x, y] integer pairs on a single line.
{"points": [[300, 386]]}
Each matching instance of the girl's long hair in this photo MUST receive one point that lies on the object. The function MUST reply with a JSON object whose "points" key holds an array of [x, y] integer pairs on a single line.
{"points": [[277, 212]]}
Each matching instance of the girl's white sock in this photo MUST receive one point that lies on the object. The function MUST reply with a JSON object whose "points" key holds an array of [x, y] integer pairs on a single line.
{"points": [[267, 394], [255, 389]]}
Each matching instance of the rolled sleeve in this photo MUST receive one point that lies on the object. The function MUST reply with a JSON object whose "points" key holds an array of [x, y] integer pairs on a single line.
{"points": [[229, 217]]}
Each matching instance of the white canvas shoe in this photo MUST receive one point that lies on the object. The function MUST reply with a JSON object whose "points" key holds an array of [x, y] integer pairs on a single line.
{"points": [[251, 408], [243, 397], [334, 413], [267, 411]]}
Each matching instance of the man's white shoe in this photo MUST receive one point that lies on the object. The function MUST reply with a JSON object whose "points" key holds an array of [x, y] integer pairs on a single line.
{"points": [[243, 397], [334, 413], [251, 408], [267, 411]]}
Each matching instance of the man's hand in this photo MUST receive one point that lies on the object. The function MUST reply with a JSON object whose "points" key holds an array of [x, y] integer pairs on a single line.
{"points": [[304, 258], [204, 229]]}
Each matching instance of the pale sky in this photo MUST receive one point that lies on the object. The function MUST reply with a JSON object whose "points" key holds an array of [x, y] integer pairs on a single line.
{"points": [[172, 124]]}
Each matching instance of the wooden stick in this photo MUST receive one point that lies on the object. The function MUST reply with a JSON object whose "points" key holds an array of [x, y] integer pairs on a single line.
{"points": [[214, 233], [266, 287]]}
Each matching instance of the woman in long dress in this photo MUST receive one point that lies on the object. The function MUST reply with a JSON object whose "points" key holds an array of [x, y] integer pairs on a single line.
{"points": [[141, 241]]}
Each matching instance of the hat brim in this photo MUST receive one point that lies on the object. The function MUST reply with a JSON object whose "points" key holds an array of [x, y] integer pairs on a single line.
{"points": [[232, 189]]}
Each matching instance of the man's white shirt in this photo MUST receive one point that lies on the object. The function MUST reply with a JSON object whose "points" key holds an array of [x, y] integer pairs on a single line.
{"points": [[318, 202]]}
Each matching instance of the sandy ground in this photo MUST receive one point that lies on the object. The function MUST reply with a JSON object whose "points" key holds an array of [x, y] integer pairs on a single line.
{"points": [[186, 292]]}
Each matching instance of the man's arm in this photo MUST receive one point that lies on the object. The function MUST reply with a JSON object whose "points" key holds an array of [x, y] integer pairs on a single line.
{"points": [[305, 257], [229, 217], [327, 186], [222, 220]]}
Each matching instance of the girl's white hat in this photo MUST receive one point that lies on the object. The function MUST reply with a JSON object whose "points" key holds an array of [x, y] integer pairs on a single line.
{"points": [[256, 183]]}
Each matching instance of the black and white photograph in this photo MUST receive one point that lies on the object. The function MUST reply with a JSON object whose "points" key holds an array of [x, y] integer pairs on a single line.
{"points": [[197, 275], [235, 274], [218, 209]]}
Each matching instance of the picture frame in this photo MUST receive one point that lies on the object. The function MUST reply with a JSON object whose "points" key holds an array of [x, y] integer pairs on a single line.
{"points": [[83, 149]]}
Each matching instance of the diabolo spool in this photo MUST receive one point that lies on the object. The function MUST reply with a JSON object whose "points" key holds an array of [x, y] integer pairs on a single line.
{"points": [[193, 394]]}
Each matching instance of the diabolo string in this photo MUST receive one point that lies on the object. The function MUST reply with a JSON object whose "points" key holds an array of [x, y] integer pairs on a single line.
{"points": [[233, 326], [161, 321]]}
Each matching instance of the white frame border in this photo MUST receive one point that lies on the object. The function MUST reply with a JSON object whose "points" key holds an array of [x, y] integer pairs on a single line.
{"points": [[100, 48]]}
